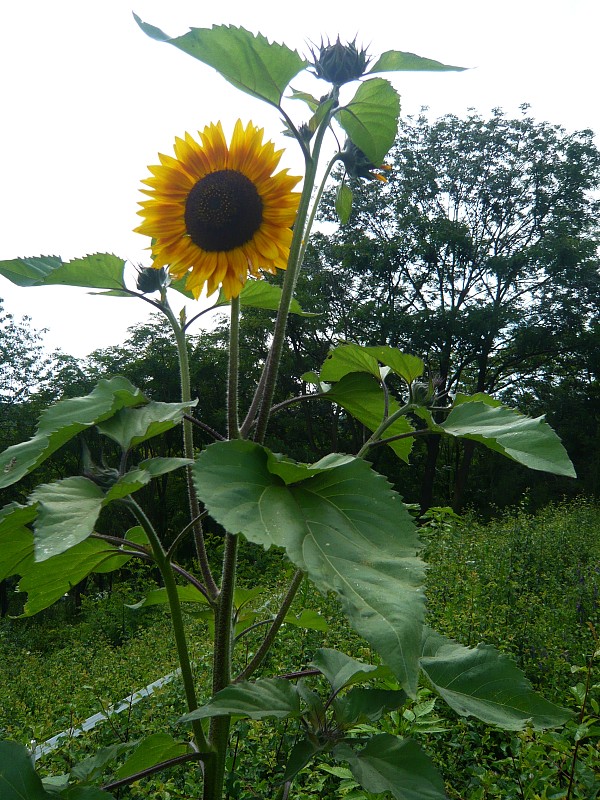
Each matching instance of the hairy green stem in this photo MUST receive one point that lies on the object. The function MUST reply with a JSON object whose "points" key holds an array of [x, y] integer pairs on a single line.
{"points": [[265, 646], [233, 370], [168, 576]]}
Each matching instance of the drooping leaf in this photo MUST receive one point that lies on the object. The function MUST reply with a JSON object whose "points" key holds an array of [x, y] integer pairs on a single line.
{"points": [[159, 465], [300, 755], [16, 539], [97, 271], [127, 484], [64, 420], [311, 101], [397, 61], [344, 527], [141, 476], [343, 202], [260, 294], [158, 597], [47, 581], [361, 396], [132, 426], [92, 767], [371, 118], [391, 764], [341, 670], [482, 682], [310, 620], [251, 63], [291, 471], [267, 697], [67, 512], [18, 779], [365, 705], [526, 440], [152, 750], [408, 367]]}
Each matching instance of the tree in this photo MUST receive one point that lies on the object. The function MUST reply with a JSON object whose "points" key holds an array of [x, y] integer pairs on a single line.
{"points": [[480, 255]]}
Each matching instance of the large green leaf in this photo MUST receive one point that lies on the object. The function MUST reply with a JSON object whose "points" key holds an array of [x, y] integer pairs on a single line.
{"points": [[484, 683], [371, 118], [251, 63], [156, 748], [67, 512], [345, 527], [47, 581], [267, 697], [529, 441], [391, 764], [260, 294], [397, 61], [97, 271], [132, 426], [64, 420], [361, 396], [18, 779]]}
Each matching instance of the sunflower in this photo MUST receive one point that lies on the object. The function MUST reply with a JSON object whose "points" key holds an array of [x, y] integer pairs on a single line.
{"points": [[218, 213]]}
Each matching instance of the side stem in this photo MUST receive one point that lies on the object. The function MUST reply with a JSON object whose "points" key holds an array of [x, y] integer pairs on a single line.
{"points": [[162, 562], [214, 775]]}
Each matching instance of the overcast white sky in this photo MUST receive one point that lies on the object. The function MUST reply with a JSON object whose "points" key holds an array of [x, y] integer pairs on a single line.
{"points": [[87, 101]]}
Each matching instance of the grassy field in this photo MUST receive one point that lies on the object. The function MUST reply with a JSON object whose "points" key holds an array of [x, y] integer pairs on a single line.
{"points": [[530, 585]]}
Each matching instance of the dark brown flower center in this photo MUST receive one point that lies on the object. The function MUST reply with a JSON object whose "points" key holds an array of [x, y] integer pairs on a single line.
{"points": [[223, 211]]}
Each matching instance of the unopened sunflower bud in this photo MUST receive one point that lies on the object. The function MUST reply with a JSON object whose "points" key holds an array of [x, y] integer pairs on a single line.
{"points": [[104, 477], [151, 280], [358, 165], [339, 63], [421, 393]]}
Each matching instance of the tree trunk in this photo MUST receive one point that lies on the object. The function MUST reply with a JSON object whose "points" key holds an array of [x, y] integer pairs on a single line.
{"points": [[462, 474], [427, 484]]}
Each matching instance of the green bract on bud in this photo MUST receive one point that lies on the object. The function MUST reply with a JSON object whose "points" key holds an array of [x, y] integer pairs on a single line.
{"points": [[339, 63], [358, 165], [151, 280]]}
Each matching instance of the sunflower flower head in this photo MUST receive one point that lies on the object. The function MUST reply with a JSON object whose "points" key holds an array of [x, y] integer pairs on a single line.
{"points": [[218, 213]]}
